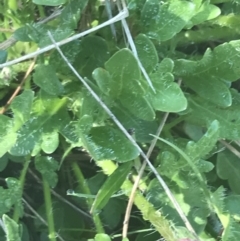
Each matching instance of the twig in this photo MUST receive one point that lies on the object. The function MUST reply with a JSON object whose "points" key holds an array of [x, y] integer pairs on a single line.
{"points": [[120, 16], [133, 47], [30, 68], [8, 43], [130, 138], [231, 148], [138, 178]]}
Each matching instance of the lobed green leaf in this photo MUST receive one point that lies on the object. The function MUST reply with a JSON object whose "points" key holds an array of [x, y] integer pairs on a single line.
{"points": [[163, 20]]}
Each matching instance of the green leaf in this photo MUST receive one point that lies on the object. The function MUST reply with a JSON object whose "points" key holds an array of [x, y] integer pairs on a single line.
{"points": [[205, 144], [107, 143], [70, 50], [47, 166], [58, 34], [106, 83], [85, 124], [92, 108], [207, 76], [228, 168], [203, 113], [169, 96], [146, 52], [28, 136], [102, 237], [93, 54], [50, 142], [110, 186], [127, 73], [46, 78], [13, 232], [211, 89], [207, 11], [3, 162], [7, 134], [231, 232], [171, 164], [163, 20], [69, 131], [232, 205], [113, 212], [71, 14], [49, 2], [11, 196], [141, 128], [22, 106], [138, 105], [37, 33], [218, 199], [55, 117], [195, 208], [165, 66]]}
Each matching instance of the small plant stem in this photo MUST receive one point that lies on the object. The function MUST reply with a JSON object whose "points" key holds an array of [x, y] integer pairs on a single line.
{"points": [[49, 210], [85, 189], [16, 213], [162, 225]]}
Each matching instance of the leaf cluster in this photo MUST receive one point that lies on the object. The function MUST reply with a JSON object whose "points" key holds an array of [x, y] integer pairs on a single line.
{"points": [[55, 136]]}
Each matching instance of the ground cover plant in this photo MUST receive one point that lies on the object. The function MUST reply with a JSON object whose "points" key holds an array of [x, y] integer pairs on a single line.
{"points": [[99, 98]]}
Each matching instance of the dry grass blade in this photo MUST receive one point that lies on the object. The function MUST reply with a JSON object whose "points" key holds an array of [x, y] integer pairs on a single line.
{"points": [[231, 148], [123, 14], [30, 68], [130, 138], [133, 47], [138, 178]]}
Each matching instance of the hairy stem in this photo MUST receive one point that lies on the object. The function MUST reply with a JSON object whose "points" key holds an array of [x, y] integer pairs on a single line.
{"points": [[49, 210]]}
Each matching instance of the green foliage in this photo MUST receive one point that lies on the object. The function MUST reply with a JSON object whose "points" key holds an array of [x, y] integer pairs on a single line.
{"points": [[47, 167], [228, 169], [102, 237], [110, 186], [10, 196], [163, 20], [13, 232], [54, 127], [41, 78]]}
